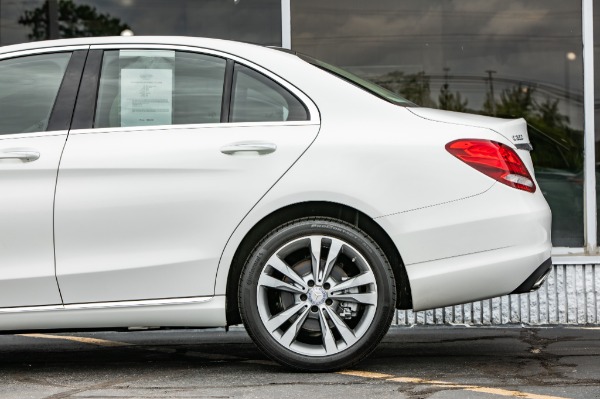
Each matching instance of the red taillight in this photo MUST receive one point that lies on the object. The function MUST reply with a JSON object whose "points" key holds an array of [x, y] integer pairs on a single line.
{"points": [[496, 160]]}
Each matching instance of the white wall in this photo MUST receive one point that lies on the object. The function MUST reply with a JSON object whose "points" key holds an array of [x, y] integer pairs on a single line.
{"points": [[571, 295]]}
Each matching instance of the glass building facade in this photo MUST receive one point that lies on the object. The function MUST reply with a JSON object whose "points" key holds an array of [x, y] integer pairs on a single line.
{"points": [[511, 58], [255, 21], [508, 59]]}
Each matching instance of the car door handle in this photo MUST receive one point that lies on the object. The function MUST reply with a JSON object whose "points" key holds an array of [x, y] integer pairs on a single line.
{"points": [[23, 155], [260, 148]]}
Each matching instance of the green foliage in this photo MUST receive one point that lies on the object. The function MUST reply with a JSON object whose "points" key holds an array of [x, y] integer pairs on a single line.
{"points": [[451, 101], [516, 102], [414, 87], [488, 105], [549, 114], [73, 21], [556, 144]]}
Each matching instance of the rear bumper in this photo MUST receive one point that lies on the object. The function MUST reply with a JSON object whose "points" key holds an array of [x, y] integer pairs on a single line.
{"points": [[476, 248], [536, 279], [473, 277]]}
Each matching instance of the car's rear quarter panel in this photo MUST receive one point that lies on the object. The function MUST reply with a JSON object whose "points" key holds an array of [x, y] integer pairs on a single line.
{"points": [[381, 159]]}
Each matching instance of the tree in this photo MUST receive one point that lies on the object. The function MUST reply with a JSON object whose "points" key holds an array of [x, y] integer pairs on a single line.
{"points": [[489, 105], [414, 87], [451, 101], [516, 102], [73, 21], [556, 144], [549, 114]]}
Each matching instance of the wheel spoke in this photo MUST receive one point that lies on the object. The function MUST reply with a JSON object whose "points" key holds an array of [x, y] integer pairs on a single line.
{"points": [[355, 282], [271, 282], [276, 321], [276, 263], [335, 286], [334, 251], [328, 339], [345, 331], [292, 332], [367, 298], [315, 251]]}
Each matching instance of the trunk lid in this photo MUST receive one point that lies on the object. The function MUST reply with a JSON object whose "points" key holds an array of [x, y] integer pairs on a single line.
{"points": [[514, 130]]}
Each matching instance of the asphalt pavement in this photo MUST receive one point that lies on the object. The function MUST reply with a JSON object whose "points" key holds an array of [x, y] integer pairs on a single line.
{"points": [[415, 363]]}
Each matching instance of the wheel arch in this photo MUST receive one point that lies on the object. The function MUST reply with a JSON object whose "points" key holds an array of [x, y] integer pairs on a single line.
{"points": [[312, 209]]}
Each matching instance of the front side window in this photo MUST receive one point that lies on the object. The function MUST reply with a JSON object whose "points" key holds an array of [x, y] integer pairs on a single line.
{"points": [[28, 89], [256, 98], [159, 87]]}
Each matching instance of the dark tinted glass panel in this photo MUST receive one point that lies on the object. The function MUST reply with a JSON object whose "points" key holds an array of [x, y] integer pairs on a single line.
{"points": [[28, 89], [508, 59], [256, 98], [11, 11], [364, 84], [255, 21], [159, 87]]}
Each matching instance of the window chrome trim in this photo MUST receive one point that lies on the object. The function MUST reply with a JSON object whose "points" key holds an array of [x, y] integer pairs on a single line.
{"points": [[307, 102], [43, 50], [11, 136], [217, 125], [589, 166]]}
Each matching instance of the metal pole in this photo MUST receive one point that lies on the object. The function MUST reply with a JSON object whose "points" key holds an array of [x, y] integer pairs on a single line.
{"points": [[286, 24], [568, 89], [589, 166], [53, 32], [492, 98]]}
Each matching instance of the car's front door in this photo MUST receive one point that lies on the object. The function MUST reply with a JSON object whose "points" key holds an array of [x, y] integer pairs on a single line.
{"points": [[148, 197], [32, 137]]}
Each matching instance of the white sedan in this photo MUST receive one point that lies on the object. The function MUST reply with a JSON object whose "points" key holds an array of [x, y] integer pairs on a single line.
{"points": [[185, 182]]}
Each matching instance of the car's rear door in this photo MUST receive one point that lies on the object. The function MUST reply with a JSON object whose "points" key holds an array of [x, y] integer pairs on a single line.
{"points": [[154, 178], [37, 95]]}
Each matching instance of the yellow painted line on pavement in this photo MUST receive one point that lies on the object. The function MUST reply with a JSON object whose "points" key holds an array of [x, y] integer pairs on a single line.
{"points": [[365, 374], [83, 340], [515, 394], [446, 384], [429, 382], [107, 343]]}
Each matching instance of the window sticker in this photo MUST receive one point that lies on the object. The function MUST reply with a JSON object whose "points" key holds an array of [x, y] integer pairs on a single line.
{"points": [[146, 97]]}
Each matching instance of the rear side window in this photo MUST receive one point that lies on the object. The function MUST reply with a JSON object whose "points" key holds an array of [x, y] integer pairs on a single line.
{"points": [[159, 87], [28, 89], [256, 98]]}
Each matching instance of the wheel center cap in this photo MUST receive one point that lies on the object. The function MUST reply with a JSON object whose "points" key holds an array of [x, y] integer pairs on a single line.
{"points": [[317, 296]]}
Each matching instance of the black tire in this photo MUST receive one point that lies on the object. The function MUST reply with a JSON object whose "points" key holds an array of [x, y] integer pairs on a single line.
{"points": [[309, 350]]}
